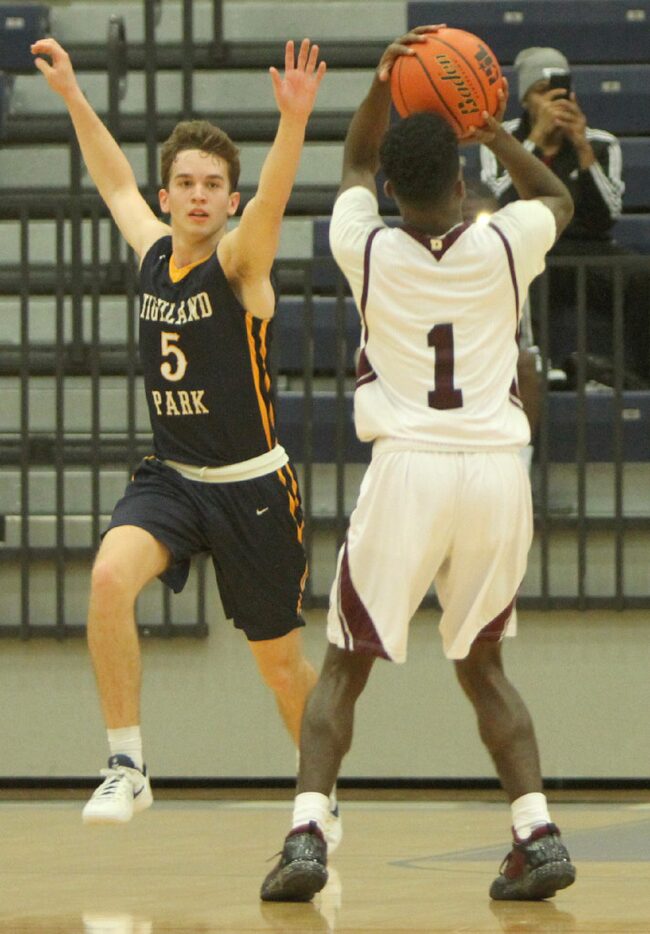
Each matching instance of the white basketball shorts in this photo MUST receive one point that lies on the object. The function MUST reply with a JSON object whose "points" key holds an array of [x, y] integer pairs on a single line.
{"points": [[462, 521]]}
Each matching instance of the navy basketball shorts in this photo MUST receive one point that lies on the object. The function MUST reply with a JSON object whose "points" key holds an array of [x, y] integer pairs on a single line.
{"points": [[251, 528]]}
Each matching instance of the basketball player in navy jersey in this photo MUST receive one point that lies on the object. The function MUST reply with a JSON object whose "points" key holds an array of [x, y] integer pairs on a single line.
{"points": [[218, 481], [446, 498]]}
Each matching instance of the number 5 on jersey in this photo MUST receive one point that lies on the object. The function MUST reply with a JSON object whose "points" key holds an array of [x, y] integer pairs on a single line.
{"points": [[172, 372]]}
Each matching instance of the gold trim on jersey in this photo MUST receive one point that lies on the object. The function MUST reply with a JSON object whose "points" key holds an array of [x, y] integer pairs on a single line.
{"points": [[176, 273], [266, 410]]}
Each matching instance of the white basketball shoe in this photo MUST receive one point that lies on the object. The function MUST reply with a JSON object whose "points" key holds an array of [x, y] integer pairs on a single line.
{"points": [[124, 791]]}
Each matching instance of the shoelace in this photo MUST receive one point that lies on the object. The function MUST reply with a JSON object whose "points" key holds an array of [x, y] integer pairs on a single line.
{"points": [[113, 780]]}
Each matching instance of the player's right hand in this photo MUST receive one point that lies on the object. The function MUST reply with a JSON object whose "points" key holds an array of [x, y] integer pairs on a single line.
{"points": [[402, 46], [59, 74]]}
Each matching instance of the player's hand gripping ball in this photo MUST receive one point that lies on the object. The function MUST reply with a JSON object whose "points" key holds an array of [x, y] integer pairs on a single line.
{"points": [[454, 74]]}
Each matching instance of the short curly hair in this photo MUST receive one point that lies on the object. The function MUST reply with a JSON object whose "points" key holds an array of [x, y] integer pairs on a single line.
{"points": [[204, 136], [419, 156]]}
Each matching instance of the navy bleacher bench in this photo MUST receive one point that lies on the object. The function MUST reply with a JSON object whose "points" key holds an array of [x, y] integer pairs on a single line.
{"points": [[614, 97], [586, 31], [334, 336], [6, 84], [602, 418], [20, 25]]}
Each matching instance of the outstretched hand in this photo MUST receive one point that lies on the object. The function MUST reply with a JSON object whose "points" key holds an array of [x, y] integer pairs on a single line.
{"points": [[403, 46], [295, 91], [60, 74]]}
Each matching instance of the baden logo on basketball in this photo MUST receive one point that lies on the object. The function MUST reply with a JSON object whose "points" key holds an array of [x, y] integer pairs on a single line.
{"points": [[454, 74]]}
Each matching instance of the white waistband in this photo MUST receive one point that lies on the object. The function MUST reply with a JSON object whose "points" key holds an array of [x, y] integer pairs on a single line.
{"points": [[258, 466], [403, 444]]}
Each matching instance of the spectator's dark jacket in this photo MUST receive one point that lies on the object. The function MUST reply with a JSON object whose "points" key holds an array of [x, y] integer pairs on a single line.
{"points": [[597, 191]]}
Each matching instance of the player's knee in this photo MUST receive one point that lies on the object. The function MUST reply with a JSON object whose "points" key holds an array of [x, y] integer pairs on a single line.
{"points": [[283, 675], [482, 668], [108, 581]]}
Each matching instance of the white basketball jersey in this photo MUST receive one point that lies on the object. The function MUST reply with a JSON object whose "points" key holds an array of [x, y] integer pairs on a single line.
{"points": [[440, 322]]}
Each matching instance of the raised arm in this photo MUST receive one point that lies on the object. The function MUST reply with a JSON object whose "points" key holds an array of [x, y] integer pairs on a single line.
{"points": [[248, 251], [370, 122], [106, 163], [530, 177]]}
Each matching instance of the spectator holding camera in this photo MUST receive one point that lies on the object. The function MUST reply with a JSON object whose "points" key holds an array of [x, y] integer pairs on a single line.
{"points": [[553, 127]]}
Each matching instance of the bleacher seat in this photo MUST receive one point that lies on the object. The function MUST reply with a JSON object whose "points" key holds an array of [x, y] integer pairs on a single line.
{"points": [[328, 337], [613, 97], [6, 84], [586, 31], [636, 173], [602, 415], [633, 231], [20, 25]]}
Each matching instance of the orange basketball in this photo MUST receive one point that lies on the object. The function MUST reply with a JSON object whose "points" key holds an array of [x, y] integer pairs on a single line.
{"points": [[455, 74]]}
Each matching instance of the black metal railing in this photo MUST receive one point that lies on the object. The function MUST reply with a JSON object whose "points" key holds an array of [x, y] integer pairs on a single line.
{"points": [[74, 420]]}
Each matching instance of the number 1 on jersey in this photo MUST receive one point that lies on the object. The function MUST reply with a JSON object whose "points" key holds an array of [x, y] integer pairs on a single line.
{"points": [[444, 396]]}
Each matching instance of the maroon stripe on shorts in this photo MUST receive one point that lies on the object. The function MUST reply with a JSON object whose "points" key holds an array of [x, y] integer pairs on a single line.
{"points": [[495, 629], [358, 629]]}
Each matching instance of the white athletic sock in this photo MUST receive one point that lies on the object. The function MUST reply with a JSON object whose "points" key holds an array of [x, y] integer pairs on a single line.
{"points": [[529, 811], [127, 742], [332, 799], [311, 805]]}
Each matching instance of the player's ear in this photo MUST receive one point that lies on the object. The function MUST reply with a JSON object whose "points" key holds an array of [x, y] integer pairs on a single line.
{"points": [[389, 191], [233, 202], [163, 200], [459, 187]]}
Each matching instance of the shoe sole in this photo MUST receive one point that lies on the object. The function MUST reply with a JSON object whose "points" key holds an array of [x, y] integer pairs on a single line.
{"points": [[297, 882], [141, 803], [541, 883], [98, 819]]}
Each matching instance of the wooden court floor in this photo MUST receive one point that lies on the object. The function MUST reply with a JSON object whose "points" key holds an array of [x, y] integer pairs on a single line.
{"points": [[195, 866]]}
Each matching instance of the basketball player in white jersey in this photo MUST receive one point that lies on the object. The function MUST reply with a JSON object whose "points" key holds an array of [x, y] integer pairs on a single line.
{"points": [[446, 498], [218, 481]]}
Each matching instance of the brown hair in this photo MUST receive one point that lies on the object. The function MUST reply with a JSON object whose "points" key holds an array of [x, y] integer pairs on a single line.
{"points": [[202, 135]]}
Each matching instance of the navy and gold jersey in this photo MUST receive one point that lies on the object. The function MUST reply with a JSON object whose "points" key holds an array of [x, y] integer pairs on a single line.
{"points": [[206, 364]]}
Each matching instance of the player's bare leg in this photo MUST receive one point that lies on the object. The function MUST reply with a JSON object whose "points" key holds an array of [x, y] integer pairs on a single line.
{"points": [[286, 671], [538, 863], [325, 738], [504, 723], [128, 559], [329, 718]]}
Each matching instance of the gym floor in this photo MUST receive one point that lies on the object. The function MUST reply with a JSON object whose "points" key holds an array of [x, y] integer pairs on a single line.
{"points": [[409, 864]]}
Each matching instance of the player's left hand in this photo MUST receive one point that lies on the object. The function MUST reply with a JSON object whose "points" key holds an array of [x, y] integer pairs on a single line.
{"points": [[403, 46], [295, 91]]}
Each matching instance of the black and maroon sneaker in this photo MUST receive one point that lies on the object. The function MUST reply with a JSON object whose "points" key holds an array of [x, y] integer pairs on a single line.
{"points": [[302, 867], [534, 868]]}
